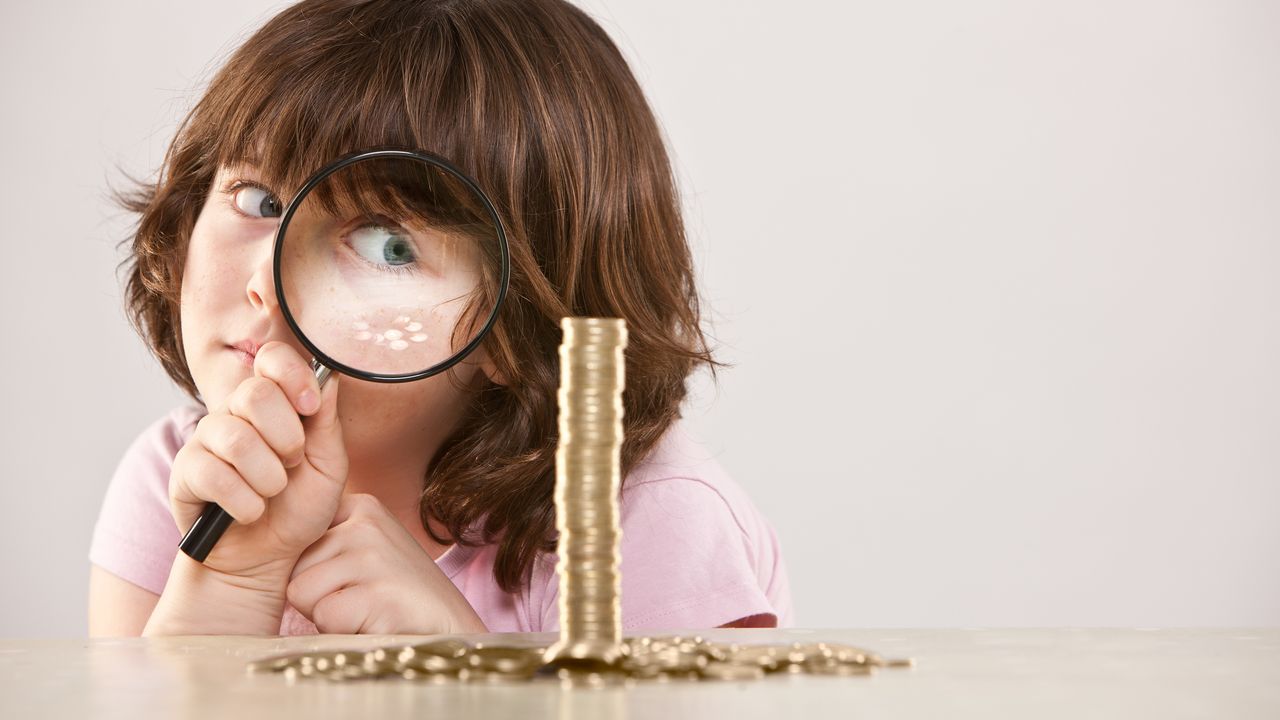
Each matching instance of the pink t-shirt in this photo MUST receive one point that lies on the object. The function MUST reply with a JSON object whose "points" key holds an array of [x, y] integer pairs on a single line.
{"points": [[696, 553]]}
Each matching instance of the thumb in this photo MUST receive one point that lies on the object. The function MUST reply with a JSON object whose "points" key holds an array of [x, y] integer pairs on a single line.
{"points": [[324, 447]]}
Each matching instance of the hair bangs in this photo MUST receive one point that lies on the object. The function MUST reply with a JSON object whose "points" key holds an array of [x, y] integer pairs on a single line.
{"points": [[288, 110]]}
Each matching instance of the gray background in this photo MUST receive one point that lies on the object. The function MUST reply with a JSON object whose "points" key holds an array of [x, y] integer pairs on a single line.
{"points": [[998, 280]]}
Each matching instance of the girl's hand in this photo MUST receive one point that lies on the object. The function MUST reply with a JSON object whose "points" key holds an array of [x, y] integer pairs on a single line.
{"points": [[280, 476], [369, 575]]}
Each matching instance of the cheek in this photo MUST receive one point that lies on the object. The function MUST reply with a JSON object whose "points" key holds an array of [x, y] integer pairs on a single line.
{"points": [[212, 282], [197, 296], [216, 269]]}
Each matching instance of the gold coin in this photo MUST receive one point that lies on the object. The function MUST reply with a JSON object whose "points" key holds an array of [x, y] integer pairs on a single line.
{"points": [[571, 677], [272, 664], [828, 667], [435, 664], [504, 660], [732, 671], [406, 655], [381, 661], [763, 656], [346, 672], [449, 647]]}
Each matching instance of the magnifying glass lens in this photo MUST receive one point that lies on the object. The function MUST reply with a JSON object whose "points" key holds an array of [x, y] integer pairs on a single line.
{"points": [[390, 267]]}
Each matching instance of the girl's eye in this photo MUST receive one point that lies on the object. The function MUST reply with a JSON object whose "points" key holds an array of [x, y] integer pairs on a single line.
{"points": [[256, 202], [382, 246]]}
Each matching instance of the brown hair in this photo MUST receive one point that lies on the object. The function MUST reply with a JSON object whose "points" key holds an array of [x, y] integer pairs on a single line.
{"points": [[533, 100]]}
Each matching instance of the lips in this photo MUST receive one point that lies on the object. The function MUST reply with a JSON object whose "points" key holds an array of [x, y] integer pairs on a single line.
{"points": [[248, 346], [247, 350]]}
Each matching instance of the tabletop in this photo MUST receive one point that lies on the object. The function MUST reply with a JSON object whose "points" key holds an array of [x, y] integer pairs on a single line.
{"points": [[959, 673]]}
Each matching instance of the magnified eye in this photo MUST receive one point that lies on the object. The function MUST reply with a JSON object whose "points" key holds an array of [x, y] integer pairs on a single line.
{"points": [[256, 202], [382, 246]]}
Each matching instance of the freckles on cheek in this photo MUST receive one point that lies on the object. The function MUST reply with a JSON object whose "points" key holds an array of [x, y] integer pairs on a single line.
{"points": [[198, 259], [213, 269]]}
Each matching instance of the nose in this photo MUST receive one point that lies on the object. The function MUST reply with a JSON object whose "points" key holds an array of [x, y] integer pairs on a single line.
{"points": [[261, 287]]}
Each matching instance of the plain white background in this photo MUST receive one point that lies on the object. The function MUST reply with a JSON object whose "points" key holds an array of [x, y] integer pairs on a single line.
{"points": [[998, 280]]}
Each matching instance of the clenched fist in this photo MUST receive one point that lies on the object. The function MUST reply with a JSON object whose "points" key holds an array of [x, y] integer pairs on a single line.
{"points": [[272, 456]]}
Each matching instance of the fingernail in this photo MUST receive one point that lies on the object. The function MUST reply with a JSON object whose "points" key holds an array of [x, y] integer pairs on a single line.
{"points": [[308, 402]]}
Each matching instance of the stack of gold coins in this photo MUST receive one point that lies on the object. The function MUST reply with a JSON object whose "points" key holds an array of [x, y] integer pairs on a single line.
{"points": [[588, 475]]}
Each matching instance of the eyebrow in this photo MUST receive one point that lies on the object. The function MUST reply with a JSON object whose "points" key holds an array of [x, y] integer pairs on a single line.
{"points": [[246, 168], [240, 170]]}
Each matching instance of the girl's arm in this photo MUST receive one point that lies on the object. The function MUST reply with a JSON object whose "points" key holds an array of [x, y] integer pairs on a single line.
{"points": [[198, 600], [117, 607]]}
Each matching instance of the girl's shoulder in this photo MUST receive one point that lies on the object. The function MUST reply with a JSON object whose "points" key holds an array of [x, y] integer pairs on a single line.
{"points": [[152, 451], [179, 424], [680, 477], [695, 550], [170, 431]]}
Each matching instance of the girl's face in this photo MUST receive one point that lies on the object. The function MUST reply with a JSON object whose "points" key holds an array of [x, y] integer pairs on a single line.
{"points": [[229, 299]]}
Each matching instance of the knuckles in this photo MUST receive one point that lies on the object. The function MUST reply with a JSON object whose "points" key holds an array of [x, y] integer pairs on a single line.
{"points": [[299, 376], [293, 592], [254, 392], [241, 439], [278, 359], [217, 484], [365, 515], [327, 612], [364, 508]]}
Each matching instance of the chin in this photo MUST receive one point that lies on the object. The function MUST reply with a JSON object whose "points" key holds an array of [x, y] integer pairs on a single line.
{"points": [[216, 383]]}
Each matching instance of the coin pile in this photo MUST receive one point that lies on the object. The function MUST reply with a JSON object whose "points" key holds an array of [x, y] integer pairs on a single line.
{"points": [[591, 649], [641, 658]]}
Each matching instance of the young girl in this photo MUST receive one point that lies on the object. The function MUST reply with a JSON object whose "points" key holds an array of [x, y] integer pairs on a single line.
{"points": [[421, 507]]}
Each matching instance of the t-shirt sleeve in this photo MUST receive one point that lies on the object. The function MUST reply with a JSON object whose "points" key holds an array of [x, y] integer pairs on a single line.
{"points": [[687, 561], [135, 537]]}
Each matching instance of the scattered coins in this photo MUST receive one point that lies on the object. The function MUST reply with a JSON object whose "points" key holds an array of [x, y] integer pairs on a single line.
{"points": [[660, 659]]}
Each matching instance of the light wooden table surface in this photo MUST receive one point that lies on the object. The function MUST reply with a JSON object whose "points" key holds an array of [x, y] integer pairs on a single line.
{"points": [[1104, 673]]}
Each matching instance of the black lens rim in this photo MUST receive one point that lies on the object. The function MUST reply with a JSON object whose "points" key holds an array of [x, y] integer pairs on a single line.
{"points": [[371, 154]]}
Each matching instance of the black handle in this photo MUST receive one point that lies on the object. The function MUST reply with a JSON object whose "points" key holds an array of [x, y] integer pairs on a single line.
{"points": [[204, 534]]}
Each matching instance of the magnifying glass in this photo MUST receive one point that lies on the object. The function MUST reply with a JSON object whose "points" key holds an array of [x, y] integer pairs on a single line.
{"points": [[390, 265]]}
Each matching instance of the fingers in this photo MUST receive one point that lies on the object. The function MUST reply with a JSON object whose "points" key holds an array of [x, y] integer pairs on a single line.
{"points": [[326, 548], [366, 532], [347, 611], [203, 478], [279, 362], [264, 405], [324, 448], [239, 444], [359, 504], [309, 587]]}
